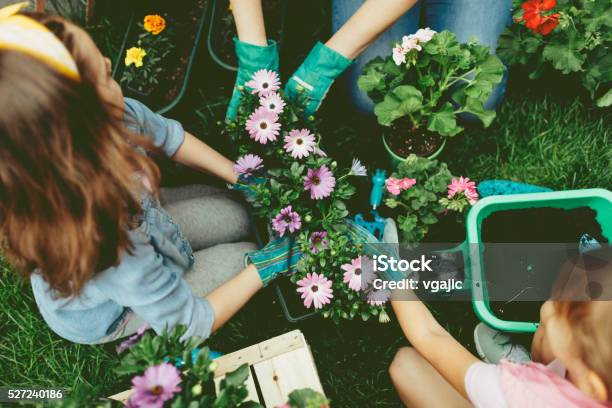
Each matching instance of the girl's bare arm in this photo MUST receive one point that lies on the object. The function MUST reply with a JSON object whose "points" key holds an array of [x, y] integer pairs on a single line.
{"points": [[370, 20], [249, 19], [198, 155], [433, 342]]}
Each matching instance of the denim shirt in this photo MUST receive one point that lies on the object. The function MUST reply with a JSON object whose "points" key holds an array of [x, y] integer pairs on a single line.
{"points": [[148, 281]]}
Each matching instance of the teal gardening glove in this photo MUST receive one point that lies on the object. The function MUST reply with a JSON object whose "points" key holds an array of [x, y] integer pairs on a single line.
{"points": [[251, 58], [278, 258], [312, 80]]}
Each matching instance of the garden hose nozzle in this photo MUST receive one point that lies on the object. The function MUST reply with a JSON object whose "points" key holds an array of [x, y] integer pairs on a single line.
{"points": [[378, 186]]}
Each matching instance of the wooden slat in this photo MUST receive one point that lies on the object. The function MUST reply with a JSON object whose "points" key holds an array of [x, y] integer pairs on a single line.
{"points": [[280, 375], [122, 396]]}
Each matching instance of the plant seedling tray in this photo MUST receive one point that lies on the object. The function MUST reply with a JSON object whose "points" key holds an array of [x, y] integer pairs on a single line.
{"points": [[169, 92], [599, 200]]}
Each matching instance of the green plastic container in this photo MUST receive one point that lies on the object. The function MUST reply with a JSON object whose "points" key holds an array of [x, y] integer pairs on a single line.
{"points": [[396, 160], [600, 200]]}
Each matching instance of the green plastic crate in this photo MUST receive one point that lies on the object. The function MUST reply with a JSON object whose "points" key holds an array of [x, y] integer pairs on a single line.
{"points": [[600, 200]]}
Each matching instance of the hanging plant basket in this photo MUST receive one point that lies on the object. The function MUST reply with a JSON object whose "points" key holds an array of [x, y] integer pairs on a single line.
{"points": [[222, 30], [185, 21]]}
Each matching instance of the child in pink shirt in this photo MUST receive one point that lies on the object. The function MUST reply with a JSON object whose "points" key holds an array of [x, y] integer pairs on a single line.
{"points": [[572, 351]]}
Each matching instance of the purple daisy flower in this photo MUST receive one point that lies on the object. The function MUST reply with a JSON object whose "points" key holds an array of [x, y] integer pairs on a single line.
{"points": [[318, 241], [158, 385], [320, 182], [126, 344], [248, 164], [287, 219], [299, 143]]}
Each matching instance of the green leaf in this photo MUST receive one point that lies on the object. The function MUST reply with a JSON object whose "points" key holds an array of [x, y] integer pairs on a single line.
{"points": [[476, 107], [387, 110], [238, 376], [371, 80], [605, 100], [410, 97], [563, 57], [491, 70], [444, 121]]}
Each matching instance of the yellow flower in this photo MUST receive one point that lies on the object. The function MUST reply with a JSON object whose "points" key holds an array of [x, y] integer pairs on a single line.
{"points": [[154, 23], [134, 56]]}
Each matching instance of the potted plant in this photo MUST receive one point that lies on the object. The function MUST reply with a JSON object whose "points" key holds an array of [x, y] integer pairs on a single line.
{"points": [[158, 51], [300, 192], [421, 88], [421, 191], [569, 36]]}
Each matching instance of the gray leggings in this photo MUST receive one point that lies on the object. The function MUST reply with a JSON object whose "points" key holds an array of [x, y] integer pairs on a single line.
{"points": [[216, 225]]}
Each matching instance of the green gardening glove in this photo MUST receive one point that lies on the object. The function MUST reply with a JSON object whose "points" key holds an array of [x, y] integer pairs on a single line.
{"points": [[278, 258], [251, 58], [245, 187], [312, 80]]}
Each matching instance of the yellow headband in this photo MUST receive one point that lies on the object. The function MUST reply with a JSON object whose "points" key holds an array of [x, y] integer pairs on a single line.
{"points": [[21, 33]]}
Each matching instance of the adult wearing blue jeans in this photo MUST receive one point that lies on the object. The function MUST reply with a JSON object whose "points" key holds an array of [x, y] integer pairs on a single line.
{"points": [[363, 29], [484, 19]]}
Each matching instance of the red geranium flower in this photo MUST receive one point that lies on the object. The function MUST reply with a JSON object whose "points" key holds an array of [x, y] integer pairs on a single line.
{"points": [[535, 21]]}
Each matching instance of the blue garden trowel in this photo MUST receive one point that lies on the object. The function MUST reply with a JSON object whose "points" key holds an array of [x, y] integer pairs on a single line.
{"points": [[373, 222]]}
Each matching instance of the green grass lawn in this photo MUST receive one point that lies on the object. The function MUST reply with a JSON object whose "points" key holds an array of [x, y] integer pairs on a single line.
{"points": [[549, 140]]}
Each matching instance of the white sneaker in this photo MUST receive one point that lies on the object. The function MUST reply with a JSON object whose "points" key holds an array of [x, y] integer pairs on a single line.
{"points": [[493, 346]]}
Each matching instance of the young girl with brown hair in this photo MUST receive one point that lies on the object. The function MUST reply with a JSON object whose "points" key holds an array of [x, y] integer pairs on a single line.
{"points": [[79, 213]]}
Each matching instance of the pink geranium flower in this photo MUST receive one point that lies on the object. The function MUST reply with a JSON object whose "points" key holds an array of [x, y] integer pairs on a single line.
{"points": [[320, 182], [299, 143], [463, 185], [248, 164], [273, 102], [395, 186], [158, 384], [406, 183], [424, 35], [358, 273], [399, 54], [409, 42], [287, 219], [263, 82], [263, 125], [318, 241], [315, 289]]}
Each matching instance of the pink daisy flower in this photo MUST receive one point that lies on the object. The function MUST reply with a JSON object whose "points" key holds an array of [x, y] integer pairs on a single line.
{"points": [[273, 102], [319, 152], [318, 241], [287, 219], [248, 164], [320, 182], [378, 297], [406, 183], [158, 384], [263, 125], [299, 143], [463, 185], [132, 340], [359, 273], [263, 82], [315, 289]]}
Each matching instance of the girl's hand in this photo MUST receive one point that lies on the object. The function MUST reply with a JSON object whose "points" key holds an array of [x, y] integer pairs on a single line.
{"points": [[278, 258], [311, 82], [251, 58]]}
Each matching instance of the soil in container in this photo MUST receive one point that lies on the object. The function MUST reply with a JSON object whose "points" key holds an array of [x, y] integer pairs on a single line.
{"points": [[224, 29], [419, 141], [517, 275], [183, 19]]}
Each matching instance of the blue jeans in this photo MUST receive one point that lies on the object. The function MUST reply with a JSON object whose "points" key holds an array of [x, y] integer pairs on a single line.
{"points": [[484, 19]]}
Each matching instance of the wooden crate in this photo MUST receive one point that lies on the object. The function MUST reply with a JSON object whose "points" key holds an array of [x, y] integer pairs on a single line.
{"points": [[278, 366]]}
